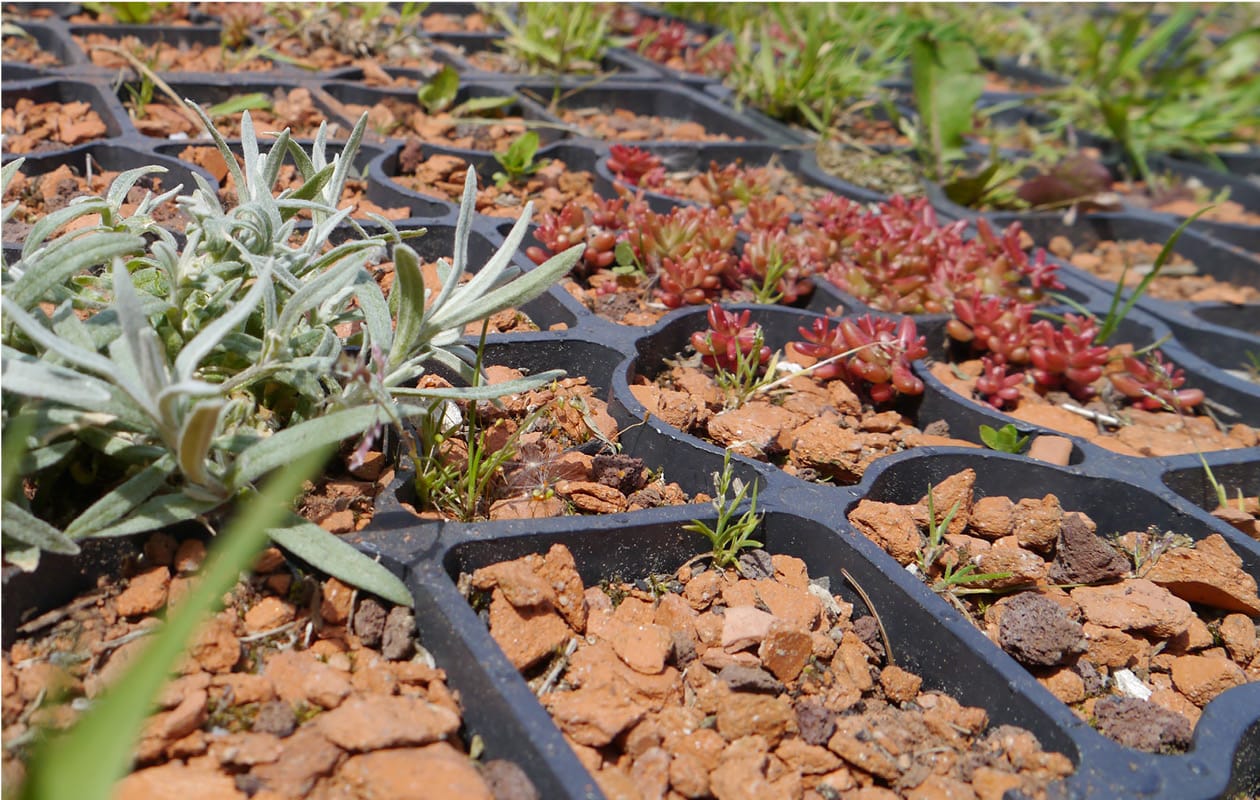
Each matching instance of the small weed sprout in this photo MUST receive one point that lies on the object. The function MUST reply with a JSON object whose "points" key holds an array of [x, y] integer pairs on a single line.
{"points": [[729, 536], [954, 579], [747, 375], [1005, 439], [518, 161]]}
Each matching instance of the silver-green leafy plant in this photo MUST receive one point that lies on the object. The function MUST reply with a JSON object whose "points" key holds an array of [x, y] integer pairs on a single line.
{"points": [[191, 371], [729, 534]]}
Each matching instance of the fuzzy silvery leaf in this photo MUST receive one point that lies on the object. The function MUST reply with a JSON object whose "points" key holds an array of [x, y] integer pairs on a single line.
{"points": [[148, 355], [45, 338], [195, 437], [195, 351], [485, 391], [51, 223], [23, 526], [30, 377], [116, 195], [121, 500], [65, 258], [288, 444], [160, 511], [316, 290], [325, 551], [410, 292]]}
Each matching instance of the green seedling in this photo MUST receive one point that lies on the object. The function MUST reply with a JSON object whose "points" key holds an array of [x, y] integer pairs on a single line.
{"points": [[127, 13], [1117, 311], [728, 535], [254, 101], [749, 376], [1004, 440], [518, 160], [439, 94], [954, 579]]}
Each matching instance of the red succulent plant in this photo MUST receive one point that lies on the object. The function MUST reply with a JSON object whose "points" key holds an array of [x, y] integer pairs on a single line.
{"points": [[883, 350], [1153, 384], [728, 336], [636, 166]]}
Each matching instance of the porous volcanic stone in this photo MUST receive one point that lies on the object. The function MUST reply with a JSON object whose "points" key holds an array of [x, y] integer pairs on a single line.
{"points": [[1037, 631], [1141, 724], [1082, 557]]}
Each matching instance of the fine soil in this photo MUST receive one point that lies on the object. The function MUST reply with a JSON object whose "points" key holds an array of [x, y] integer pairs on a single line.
{"points": [[545, 474], [1135, 631], [294, 109], [301, 687], [397, 118], [551, 188], [40, 195], [1178, 280], [31, 127], [1142, 433], [619, 124], [760, 685], [887, 173], [816, 430], [353, 194]]}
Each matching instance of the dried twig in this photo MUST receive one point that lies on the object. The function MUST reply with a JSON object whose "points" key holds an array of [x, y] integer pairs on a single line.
{"points": [[883, 634], [143, 69]]}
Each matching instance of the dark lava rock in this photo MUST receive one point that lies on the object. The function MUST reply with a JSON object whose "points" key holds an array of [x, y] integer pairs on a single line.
{"points": [[1037, 631], [756, 565], [749, 679], [626, 474], [815, 721], [1082, 557], [867, 629], [369, 622], [1142, 725], [276, 718], [398, 641], [682, 649], [1095, 681], [507, 781]]}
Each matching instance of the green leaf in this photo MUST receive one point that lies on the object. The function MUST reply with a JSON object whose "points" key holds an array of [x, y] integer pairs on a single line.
{"points": [[947, 83], [25, 527], [85, 762], [1116, 316], [326, 552], [476, 106], [439, 93], [254, 101]]}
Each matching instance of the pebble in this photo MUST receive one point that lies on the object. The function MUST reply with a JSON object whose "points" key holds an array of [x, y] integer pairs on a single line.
{"points": [[744, 626], [377, 721], [268, 614], [435, 772], [145, 593], [1210, 573], [1136, 605], [1201, 678]]}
